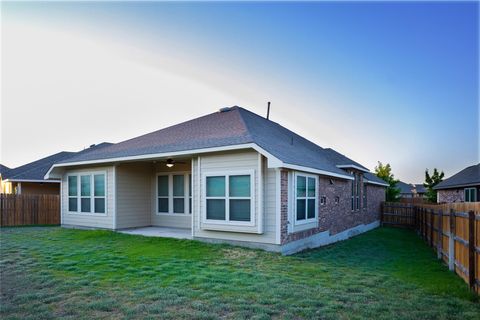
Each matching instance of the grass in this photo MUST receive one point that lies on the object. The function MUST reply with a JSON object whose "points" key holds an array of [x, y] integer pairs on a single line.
{"points": [[50, 272]]}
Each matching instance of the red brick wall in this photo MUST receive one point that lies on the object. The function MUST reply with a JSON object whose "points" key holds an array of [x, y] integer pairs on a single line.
{"points": [[333, 217]]}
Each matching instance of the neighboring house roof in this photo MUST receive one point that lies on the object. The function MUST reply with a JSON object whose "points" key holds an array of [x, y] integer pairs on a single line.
{"points": [[420, 188], [405, 187], [467, 177], [36, 170], [4, 171], [373, 179], [230, 127]]}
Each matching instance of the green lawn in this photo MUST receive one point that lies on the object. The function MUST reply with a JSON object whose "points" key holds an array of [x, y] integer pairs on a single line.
{"points": [[384, 274]]}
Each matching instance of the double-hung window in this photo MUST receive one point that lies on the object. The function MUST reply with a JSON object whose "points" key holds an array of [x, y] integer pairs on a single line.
{"points": [[356, 192], [172, 191], [86, 193], [365, 196], [229, 198], [470, 194], [305, 198]]}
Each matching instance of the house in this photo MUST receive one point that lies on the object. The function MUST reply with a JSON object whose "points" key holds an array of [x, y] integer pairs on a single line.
{"points": [[463, 186], [410, 190], [29, 178], [230, 176]]}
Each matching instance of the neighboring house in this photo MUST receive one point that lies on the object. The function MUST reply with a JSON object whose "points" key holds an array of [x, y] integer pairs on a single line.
{"points": [[3, 172], [463, 186], [230, 176], [29, 178], [410, 190]]}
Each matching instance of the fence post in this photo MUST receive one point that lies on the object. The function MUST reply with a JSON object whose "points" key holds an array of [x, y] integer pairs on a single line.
{"points": [[451, 242], [471, 249], [440, 234], [431, 227], [424, 224]]}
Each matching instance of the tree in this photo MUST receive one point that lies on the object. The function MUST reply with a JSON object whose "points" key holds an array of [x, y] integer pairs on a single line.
{"points": [[384, 172], [430, 182]]}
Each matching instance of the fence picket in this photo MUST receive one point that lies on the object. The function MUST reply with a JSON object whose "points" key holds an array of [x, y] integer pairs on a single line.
{"points": [[25, 209]]}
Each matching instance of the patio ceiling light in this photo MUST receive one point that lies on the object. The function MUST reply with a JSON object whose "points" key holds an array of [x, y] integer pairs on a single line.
{"points": [[170, 163]]}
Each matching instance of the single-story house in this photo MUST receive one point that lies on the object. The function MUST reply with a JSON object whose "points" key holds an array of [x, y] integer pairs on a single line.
{"points": [[30, 178], [230, 176], [410, 190], [463, 186]]}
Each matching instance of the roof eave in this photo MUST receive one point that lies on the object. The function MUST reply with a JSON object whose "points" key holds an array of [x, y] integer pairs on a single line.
{"points": [[377, 183], [32, 180], [273, 162], [462, 185], [352, 166]]}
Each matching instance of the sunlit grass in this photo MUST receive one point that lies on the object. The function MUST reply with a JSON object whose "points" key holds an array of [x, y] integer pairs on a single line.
{"points": [[384, 274]]}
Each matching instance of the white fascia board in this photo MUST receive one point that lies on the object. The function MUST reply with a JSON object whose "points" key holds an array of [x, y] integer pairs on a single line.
{"points": [[32, 180], [317, 171], [378, 183], [272, 160], [344, 166]]}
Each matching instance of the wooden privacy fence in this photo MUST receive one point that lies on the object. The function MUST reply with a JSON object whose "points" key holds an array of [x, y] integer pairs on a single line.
{"points": [[29, 209], [452, 230]]}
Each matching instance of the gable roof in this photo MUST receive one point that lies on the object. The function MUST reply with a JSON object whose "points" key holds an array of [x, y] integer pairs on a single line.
{"points": [[36, 170], [467, 177], [229, 127]]}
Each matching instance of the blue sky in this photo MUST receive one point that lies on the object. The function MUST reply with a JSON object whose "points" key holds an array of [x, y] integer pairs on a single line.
{"points": [[391, 82]]}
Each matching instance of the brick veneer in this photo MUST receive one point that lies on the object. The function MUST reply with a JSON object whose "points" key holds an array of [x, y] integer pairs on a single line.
{"points": [[333, 217], [452, 195]]}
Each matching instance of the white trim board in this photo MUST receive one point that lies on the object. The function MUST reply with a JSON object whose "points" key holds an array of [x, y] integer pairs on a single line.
{"points": [[273, 162], [32, 180], [377, 183], [345, 166]]}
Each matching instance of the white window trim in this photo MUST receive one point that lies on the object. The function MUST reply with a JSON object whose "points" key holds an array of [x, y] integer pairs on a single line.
{"points": [[227, 197], [92, 192], [470, 194], [311, 220], [186, 203]]}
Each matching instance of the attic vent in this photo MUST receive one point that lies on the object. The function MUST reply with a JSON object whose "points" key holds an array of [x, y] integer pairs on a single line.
{"points": [[226, 109]]}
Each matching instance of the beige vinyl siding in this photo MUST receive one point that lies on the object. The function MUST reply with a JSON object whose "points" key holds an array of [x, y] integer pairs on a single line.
{"points": [[93, 220], [133, 195], [168, 220], [228, 162]]}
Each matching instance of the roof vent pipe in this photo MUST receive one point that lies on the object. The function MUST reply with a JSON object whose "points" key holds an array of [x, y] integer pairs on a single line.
{"points": [[226, 109], [268, 110]]}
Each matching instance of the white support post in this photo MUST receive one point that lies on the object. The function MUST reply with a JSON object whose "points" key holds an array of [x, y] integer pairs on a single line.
{"points": [[260, 194]]}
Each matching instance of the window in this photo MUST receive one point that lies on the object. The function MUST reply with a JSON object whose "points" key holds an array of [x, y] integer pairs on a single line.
{"points": [[171, 193], [470, 194], [323, 200], [365, 196], [72, 194], [355, 192], [305, 198], [229, 198], [337, 200], [92, 193]]}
